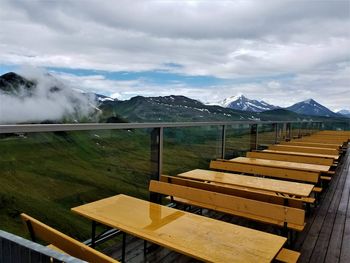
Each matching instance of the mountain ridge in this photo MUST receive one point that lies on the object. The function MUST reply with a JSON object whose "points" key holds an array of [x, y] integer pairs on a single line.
{"points": [[312, 107], [151, 109]]}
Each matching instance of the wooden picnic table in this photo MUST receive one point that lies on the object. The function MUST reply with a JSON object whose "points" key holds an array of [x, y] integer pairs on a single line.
{"points": [[283, 164], [335, 157], [196, 236], [250, 182]]}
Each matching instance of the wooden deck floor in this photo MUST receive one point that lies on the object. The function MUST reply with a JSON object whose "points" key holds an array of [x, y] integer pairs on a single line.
{"points": [[326, 237], [327, 234]]}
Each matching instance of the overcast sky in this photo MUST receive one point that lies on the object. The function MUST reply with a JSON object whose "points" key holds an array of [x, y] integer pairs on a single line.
{"points": [[279, 51]]}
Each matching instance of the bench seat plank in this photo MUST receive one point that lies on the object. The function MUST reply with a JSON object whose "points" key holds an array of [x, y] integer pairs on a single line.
{"points": [[288, 256], [336, 146], [330, 156], [294, 148]]}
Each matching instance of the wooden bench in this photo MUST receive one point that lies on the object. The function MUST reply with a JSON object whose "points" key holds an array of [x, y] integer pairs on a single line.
{"points": [[326, 156], [289, 174], [324, 140], [334, 132], [291, 158], [287, 256], [327, 137], [287, 217], [313, 144], [200, 237], [255, 194], [304, 149], [61, 242]]}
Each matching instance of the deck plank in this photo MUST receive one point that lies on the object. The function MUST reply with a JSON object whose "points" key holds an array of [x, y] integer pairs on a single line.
{"points": [[336, 240], [322, 243], [315, 241], [345, 251], [308, 238]]}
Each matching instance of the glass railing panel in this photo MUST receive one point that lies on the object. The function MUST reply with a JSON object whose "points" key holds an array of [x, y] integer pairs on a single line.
{"points": [[295, 130], [190, 148], [266, 135], [340, 125], [281, 132], [238, 140]]}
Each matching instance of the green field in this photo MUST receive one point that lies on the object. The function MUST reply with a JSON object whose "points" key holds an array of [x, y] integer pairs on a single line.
{"points": [[46, 174]]}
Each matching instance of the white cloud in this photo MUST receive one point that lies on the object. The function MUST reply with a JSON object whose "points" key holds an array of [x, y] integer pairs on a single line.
{"points": [[43, 103], [225, 39]]}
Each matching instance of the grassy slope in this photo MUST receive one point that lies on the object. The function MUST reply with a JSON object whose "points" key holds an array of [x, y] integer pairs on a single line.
{"points": [[46, 174]]}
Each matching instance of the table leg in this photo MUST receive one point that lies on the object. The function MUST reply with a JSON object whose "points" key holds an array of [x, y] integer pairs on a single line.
{"points": [[123, 248], [93, 233], [144, 247]]}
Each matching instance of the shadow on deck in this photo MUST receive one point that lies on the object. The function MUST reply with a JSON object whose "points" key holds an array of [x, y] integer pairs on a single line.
{"points": [[326, 237]]}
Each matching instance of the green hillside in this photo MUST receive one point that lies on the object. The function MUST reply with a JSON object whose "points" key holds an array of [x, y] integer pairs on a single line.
{"points": [[46, 174]]}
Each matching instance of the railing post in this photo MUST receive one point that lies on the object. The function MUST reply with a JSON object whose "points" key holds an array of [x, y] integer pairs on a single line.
{"points": [[223, 141], [275, 128], [253, 137], [288, 131], [299, 131], [156, 158]]}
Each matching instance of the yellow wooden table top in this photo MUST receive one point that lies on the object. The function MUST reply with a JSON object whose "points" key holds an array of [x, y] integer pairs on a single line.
{"points": [[267, 184], [190, 234], [282, 164], [335, 157]]}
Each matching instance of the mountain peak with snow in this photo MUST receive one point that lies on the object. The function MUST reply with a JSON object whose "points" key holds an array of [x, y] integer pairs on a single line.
{"points": [[309, 101], [240, 102]]}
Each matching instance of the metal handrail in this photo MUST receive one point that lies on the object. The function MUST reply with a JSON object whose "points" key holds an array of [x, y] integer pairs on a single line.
{"points": [[17, 249], [18, 128]]}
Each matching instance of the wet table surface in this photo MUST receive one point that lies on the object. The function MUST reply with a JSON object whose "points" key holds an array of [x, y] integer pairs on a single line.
{"points": [[190, 234], [267, 184]]}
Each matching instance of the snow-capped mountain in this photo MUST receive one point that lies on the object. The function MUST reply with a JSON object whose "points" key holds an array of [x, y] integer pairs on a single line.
{"points": [[311, 107], [345, 113], [242, 103]]}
